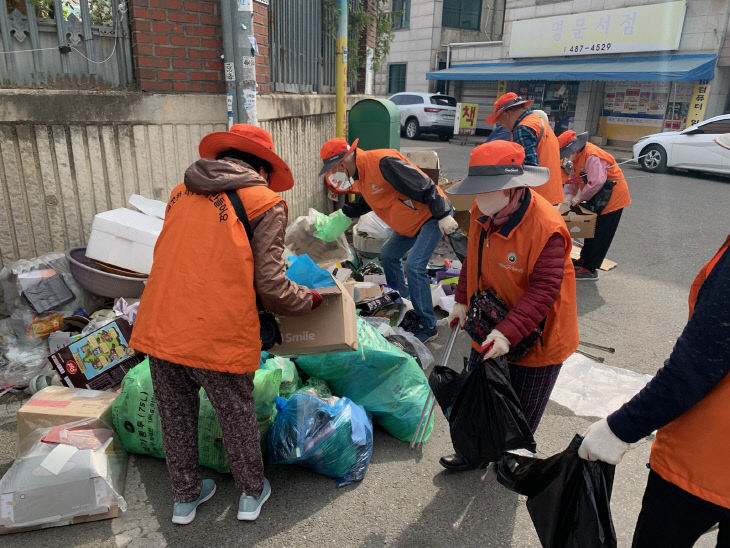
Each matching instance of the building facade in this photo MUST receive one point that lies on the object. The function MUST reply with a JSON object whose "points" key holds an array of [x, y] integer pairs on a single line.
{"points": [[619, 69]]}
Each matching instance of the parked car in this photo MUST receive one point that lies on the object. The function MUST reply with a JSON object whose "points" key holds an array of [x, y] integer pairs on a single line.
{"points": [[426, 113], [692, 148]]}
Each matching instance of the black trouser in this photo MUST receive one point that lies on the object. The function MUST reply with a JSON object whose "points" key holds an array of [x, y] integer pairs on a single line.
{"points": [[595, 249], [671, 517]]}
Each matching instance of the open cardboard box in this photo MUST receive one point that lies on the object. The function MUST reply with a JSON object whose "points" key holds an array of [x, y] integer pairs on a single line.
{"points": [[331, 327], [581, 222]]}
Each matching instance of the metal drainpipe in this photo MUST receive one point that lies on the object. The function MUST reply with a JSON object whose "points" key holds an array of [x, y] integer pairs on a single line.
{"points": [[341, 71]]}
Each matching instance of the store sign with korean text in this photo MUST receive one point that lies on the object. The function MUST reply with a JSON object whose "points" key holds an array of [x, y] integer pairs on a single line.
{"points": [[656, 27], [465, 122]]}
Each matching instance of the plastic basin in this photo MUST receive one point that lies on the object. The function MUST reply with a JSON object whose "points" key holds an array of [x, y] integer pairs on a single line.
{"points": [[98, 282]]}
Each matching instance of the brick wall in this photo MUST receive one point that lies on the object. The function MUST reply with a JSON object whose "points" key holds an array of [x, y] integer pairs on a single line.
{"points": [[263, 59], [177, 45]]}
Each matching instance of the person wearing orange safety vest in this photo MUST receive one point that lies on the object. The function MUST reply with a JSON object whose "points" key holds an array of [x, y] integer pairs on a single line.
{"points": [[531, 131], [688, 402], [519, 247], [598, 183], [410, 203], [198, 318]]}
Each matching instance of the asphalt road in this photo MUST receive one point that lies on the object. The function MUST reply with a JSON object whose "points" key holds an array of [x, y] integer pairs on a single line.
{"points": [[675, 223]]}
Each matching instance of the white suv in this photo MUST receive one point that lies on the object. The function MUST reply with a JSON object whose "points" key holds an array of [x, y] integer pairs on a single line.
{"points": [[426, 113]]}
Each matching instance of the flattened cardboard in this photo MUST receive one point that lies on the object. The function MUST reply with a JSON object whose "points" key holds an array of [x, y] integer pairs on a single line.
{"points": [[361, 291], [581, 223], [98, 361], [331, 327], [57, 405]]}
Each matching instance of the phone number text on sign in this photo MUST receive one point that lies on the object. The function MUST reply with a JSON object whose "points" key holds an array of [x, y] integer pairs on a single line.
{"points": [[586, 49]]}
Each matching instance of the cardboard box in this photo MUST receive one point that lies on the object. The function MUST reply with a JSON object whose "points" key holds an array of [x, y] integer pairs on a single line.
{"points": [[332, 327], [361, 291], [56, 405], [98, 361], [580, 223], [124, 238]]}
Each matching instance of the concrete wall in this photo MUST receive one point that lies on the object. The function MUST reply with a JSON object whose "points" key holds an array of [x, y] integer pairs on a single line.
{"points": [[65, 156]]}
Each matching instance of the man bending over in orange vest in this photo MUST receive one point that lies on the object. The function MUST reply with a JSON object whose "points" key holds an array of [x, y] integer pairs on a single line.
{"points": [[410, 203]]}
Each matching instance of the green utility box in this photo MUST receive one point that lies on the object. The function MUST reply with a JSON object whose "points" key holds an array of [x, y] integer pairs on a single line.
{"points": [[376, 122]]}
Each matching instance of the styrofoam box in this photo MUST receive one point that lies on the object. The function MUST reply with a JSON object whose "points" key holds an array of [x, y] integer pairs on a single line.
{"points": [[124, 238]]}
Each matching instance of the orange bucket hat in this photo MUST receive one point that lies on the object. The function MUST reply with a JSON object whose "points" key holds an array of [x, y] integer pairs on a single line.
{"points": [[497, 165], [569, 142], [253, 140], [506, 102], [333, 151]]}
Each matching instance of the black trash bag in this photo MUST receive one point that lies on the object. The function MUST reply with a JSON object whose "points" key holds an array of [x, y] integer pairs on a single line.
{"points": [[458, 241], [483, 410], [569, 498], [399, 341]]}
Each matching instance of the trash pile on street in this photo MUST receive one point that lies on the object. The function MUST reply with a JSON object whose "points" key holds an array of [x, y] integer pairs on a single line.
{"points": [[64, 340]]}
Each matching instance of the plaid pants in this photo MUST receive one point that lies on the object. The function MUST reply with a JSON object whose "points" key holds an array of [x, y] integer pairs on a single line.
{"points": [[533, 386], [176, 391]]}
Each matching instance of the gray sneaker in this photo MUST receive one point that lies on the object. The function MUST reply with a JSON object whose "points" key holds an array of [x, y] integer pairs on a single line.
{"points": [[249, 508], [184, 512]]}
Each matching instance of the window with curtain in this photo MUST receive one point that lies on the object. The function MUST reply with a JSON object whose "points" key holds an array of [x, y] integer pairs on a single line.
{"points": [[462, 14], [401, 14]]}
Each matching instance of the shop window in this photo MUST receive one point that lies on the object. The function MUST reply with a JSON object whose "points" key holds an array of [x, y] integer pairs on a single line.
{"points": [[401, 14], [462, 14], [397, 78], [557, 99]]}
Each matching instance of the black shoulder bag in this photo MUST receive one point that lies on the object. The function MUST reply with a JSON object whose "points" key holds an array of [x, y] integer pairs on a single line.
{"points": [[487, 309], [601, 198], [270, 332]]}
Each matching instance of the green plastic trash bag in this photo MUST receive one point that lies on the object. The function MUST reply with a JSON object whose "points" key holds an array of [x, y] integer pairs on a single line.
{"points": [[329, 227], [316, 387], [137, 420], [290, 381], [383, 379]]}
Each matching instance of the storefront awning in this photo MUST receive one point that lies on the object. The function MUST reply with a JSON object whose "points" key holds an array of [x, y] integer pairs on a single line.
{"points": [[681, 68]]}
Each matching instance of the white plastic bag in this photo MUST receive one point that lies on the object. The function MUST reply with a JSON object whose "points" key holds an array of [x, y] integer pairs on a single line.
{"points": [[372, 226], [300, 240]]}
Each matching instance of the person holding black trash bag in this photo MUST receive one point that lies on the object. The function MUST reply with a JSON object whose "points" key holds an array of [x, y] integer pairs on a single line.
{"points": [[597, 182], [198, 317], [688, 403], [516, 291]]}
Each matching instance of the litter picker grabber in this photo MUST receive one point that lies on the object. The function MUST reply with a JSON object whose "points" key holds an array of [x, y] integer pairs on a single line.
{"points": [[427, 410], [608, 349]]}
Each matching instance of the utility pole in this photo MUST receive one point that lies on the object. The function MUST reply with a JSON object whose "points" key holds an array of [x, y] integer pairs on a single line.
{"points": [[341, 71], [239, 58]]}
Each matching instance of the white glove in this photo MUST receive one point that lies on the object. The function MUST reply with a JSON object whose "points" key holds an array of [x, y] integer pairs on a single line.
{"points": [[448, 224], [599, 443], [458, 312], [500, 344], [575, 199]]}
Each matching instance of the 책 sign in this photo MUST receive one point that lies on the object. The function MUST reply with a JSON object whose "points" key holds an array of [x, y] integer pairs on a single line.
{"points": [[656, 27], [465, 122]]}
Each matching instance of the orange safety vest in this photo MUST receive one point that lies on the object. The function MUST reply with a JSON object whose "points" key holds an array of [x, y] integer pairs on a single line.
{"points": [[199, 305], [620, 196], [692, 450], [548, 154], [507, 264], [401, 213]]}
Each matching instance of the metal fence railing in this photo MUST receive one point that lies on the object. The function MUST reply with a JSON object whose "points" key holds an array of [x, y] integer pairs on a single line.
{"points": [[65, 44], [302, 46]]}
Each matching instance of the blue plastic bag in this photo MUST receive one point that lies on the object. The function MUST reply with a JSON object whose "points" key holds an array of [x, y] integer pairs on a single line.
{"points": [[333, 437], [304, 271], [386, 381]]}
